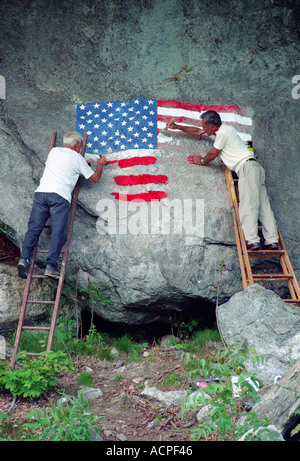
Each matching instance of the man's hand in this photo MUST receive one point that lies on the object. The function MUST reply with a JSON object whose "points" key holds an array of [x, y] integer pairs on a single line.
{"points": [[172, 125], [191, 130], [195, 159], [198, 160], [203, 135], [102, 161], [97, 174]]}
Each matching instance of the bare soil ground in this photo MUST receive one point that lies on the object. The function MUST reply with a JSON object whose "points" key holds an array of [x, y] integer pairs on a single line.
{"points": [[127, 414]]}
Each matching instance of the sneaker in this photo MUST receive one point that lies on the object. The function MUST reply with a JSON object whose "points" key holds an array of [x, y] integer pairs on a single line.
{"points": [[253, 246], [23, 266], [49, 272], [271, 246]]}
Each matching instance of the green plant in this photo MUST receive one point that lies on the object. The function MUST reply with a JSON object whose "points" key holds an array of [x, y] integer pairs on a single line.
{"points": [[127, 345], [32, 377], [86, 379], [185, 329], [3, 425], [220, 397], [65, 338], [71, 421], [93, 293], [199, 340], [172, 379], [66, 335], [296, 429]]}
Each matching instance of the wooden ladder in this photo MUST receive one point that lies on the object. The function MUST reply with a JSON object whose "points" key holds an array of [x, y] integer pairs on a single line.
{"points": [[55, 304], [287, 273]]}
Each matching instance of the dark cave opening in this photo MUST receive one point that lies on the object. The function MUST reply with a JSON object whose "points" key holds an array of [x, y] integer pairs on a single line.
{"points": [[196, 315]]}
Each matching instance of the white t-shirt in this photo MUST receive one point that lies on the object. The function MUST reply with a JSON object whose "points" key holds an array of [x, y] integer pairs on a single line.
{"points": [[234, 150], [62, 170]]}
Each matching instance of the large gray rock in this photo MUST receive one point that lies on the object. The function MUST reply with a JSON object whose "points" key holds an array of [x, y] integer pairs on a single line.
{"points": [[58, 54], [259, 318], [11, 296]]}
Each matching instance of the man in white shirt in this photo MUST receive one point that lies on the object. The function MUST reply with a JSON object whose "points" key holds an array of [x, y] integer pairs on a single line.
{"points": [[254, 202], [52, 199]]}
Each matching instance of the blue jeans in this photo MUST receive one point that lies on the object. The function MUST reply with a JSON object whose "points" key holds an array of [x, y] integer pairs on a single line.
{"points": [[45, 205]]}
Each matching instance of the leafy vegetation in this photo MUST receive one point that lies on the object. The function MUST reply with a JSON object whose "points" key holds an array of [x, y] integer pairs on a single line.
{"points": [[223, 370], [227, 385], [71, 420], [31, 378]]}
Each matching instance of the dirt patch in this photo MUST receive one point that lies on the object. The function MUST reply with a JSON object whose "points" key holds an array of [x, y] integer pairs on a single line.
{"points": [[127, 414]]}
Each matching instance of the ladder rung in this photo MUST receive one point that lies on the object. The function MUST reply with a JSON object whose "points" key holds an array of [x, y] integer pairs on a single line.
{"points": [[40, 302], [291, 301], [272, 277], [35, 328], [39, 276], [258, 253]]}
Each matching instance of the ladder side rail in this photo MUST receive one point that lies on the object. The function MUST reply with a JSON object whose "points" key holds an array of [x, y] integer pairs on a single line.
{"points": [[241, 257], [241, 244], [290, 281], [23, 308], [250, 280], [289, 266]]}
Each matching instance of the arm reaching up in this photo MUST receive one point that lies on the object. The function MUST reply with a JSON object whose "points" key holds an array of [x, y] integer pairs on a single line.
{"points": [[98, 173]]}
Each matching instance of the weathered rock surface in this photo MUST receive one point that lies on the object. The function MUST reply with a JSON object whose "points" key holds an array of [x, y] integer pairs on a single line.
{"points": [[280, 402], [11, 296], [259, 318], [56, 55], [165, 397]]}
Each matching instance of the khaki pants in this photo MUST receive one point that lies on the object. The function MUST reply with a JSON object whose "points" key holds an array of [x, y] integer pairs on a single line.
{"points": [[255, 205]]}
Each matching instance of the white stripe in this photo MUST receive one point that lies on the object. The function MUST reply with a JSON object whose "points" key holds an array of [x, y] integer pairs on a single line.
{"points": [[226, 116], [162, 137], [123, 154]]}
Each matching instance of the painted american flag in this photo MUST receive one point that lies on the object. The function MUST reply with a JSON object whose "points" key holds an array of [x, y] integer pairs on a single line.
{"points": [[135, 130]]}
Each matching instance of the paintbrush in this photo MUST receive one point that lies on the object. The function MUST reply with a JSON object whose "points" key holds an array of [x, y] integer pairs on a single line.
{"points": [[167, 125]]}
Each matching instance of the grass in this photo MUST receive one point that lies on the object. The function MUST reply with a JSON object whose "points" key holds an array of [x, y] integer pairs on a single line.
{"points": [[199, 341], [93, 344], [100, 344], [86, 379]]}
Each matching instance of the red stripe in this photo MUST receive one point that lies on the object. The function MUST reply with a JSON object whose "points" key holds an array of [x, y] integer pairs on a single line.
{"points": [[128, 162], [133, 180], [197, 107], [151, 196]]}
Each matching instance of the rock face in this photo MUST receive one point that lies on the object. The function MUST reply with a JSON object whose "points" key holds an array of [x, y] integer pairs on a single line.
{"points": [[56, 55], [11, 295], [262, 320]]}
